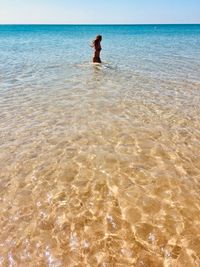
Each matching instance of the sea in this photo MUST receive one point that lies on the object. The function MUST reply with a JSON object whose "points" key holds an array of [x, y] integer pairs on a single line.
{"points": [[100, 163]]}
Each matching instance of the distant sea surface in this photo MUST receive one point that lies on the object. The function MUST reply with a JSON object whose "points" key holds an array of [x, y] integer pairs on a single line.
{"points": [[100, 164]]}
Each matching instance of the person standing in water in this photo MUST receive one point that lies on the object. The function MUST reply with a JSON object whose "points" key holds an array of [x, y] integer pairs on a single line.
{"points": [[97, 49]]}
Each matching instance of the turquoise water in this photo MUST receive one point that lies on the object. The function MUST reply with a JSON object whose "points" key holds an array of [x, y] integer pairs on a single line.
{"points": [[99, 164], [168, 51]]}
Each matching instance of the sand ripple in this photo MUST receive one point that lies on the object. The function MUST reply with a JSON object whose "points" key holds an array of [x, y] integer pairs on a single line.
{"points": [[102, 170]]}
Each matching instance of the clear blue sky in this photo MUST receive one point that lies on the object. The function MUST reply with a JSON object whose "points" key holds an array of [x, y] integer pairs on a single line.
{"points": [[99, 11]]}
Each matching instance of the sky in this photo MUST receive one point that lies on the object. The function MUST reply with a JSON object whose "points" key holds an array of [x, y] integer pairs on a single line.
{"points": [[99, 11]]}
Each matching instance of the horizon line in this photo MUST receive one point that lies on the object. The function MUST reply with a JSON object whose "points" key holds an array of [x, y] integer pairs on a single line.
{"points": [[96, 24]]}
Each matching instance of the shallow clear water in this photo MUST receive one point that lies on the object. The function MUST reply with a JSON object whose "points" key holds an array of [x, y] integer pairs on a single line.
{"points": [[99, 164]]}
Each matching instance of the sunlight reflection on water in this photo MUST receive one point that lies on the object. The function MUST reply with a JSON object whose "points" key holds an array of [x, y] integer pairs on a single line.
{"points": [[99, 167]]}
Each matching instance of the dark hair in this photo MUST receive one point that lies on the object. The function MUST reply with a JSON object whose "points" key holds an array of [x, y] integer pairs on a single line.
{"points": [[97, 39]]}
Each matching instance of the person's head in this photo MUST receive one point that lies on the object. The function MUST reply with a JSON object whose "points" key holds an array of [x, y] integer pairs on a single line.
{"points": [[99, 38]]}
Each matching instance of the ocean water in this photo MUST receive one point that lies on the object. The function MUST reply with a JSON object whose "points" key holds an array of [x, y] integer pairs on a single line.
{"points": [[100, 164]]}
